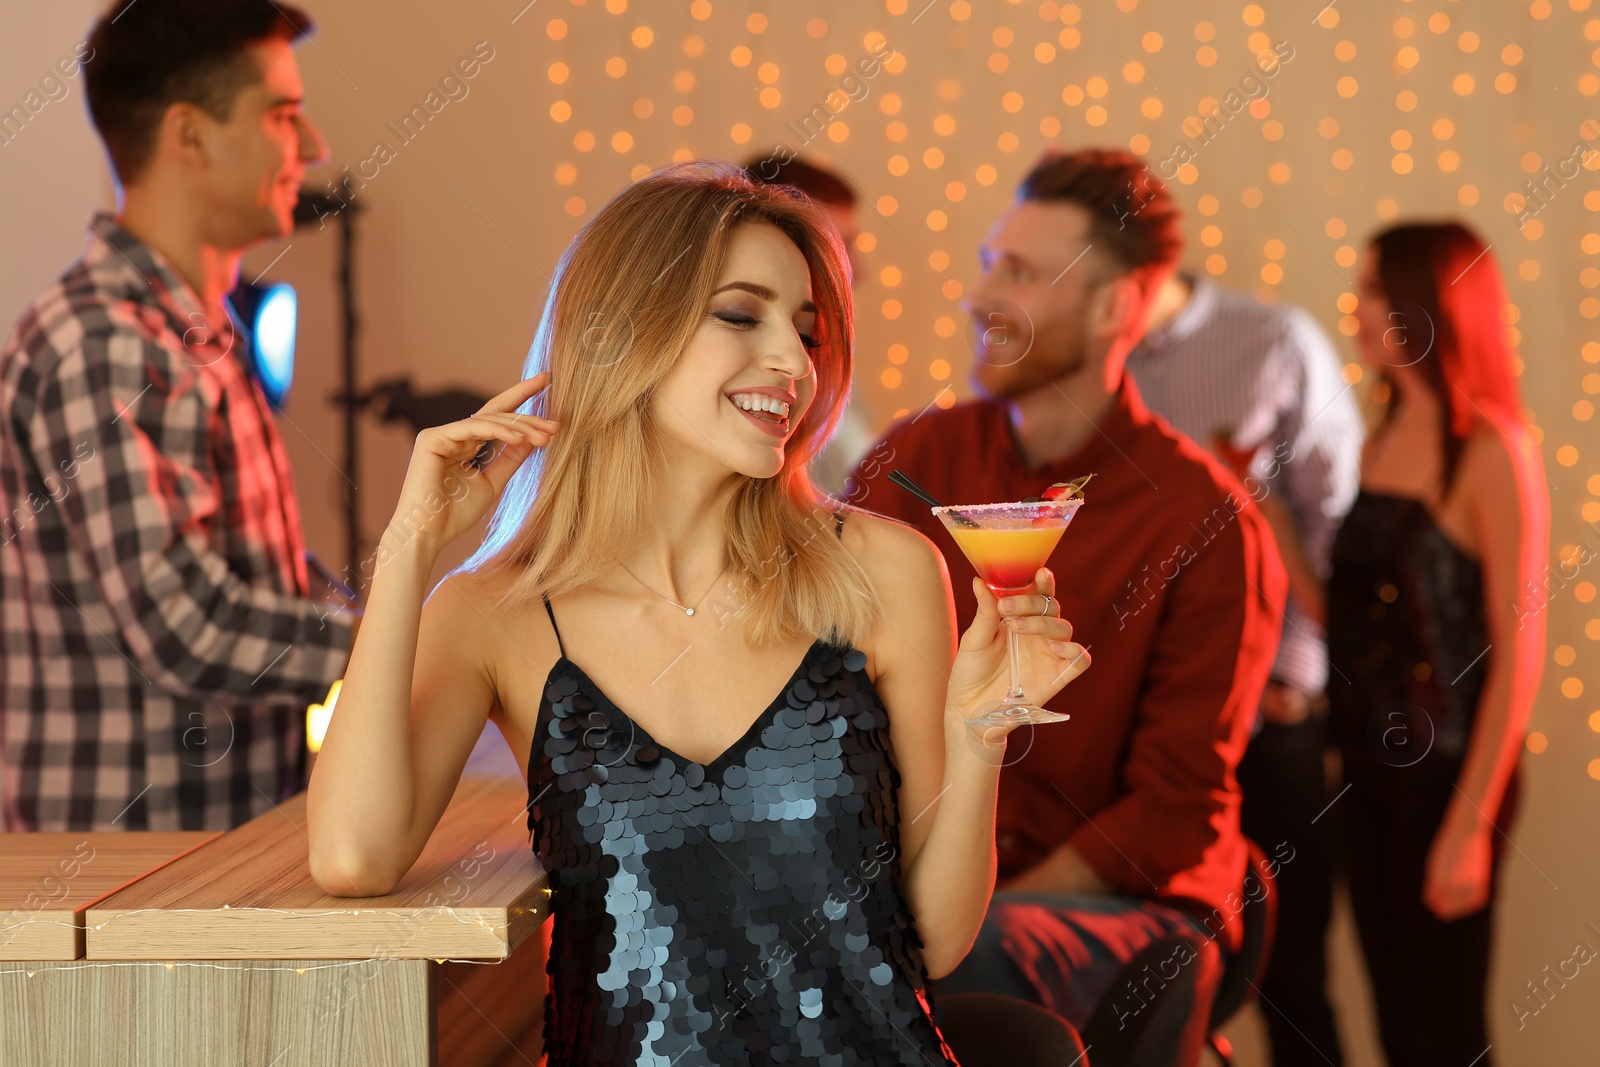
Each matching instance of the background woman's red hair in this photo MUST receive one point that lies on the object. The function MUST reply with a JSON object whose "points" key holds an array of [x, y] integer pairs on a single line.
{"points": [[1446, 287]]}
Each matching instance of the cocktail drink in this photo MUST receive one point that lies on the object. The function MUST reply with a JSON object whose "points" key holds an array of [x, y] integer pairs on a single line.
{"points": [[1008, 557], [1007, 544]]}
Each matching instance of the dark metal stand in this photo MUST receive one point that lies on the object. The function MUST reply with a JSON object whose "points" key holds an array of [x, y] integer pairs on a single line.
{"points": [[354, 546], [314, 208]]}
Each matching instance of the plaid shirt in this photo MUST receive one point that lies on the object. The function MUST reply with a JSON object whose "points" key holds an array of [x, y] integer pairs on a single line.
{"points": [[157, 644]]}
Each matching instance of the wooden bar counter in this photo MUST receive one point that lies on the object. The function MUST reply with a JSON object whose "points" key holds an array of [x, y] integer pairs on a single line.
{"points": [[48, 881], [204, 950]]}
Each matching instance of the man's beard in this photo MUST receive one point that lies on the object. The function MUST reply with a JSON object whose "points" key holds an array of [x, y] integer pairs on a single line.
{"points": [[1027, 374]]}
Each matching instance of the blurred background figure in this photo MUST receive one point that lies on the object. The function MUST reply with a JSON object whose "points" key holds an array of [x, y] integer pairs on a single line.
{"points": [[1118, 833], [833, 194], [161, 643], [1261, 386], [1435, 635]]}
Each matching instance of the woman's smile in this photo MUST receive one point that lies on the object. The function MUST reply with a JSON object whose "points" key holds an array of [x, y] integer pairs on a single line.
{"points": [[767, 407]]}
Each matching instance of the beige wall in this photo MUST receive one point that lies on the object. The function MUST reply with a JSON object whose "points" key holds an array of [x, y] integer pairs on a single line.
{"points": [[51, 174], [462, 226]]}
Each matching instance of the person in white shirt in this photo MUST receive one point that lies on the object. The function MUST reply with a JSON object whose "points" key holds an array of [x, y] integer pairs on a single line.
{"points": [[1261, 386]]}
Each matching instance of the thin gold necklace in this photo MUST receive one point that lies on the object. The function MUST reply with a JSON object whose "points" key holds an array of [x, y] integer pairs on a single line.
{"points": [[681, 607]]}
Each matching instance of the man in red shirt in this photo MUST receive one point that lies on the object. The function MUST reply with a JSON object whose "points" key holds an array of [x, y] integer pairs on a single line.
{"points": [[1117, 831]]}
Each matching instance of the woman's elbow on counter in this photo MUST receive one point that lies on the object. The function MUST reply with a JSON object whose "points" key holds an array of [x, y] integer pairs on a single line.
{"points": [[348, 878]]}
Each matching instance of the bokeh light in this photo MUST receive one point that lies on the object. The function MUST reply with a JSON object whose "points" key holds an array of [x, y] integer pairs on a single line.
{"points": [[1360, 117]]}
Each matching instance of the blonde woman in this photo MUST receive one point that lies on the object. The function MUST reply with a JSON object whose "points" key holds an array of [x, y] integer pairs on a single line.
{"points": [[738, 877]]}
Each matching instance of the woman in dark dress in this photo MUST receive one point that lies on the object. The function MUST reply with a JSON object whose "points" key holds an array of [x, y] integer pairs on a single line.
{"points": [[1434, 640], [737, 877]]}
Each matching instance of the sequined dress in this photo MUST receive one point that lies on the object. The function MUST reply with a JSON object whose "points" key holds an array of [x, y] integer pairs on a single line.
{"points": [[742, 911], [1407, 637]]}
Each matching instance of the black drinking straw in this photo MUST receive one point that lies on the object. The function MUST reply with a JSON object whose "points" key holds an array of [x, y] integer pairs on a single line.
{"points": [[903, 480]]}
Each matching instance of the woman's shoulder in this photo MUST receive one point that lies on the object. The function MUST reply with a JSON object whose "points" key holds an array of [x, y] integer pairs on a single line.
{"points": [[456, 593], [868, 533], [471, 625], [471, 612], [1500, 453], [896, 555], [911, 584], [1501, 482]]}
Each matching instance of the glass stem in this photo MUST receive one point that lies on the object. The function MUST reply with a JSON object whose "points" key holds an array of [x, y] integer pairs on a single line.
{"points": [[1014, 695]]}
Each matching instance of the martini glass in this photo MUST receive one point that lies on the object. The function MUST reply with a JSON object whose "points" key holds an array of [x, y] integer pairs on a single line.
{"points": [[1008, 543]]}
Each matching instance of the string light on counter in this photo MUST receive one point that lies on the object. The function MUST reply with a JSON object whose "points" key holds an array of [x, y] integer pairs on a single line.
{"points": [[250, 966]]}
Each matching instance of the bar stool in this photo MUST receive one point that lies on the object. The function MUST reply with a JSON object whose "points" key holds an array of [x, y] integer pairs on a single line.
{"points": [[985, 1030], [1117, 1044], [1243, 970]]}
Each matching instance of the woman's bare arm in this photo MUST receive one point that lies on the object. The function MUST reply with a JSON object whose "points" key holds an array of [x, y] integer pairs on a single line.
{"points": [[1511, 517], [949, 773], [413, 704], [947, 797], [417, 691]]}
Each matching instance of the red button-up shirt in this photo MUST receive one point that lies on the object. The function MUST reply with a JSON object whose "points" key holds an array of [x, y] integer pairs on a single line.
{"points": [[1171, 579]]}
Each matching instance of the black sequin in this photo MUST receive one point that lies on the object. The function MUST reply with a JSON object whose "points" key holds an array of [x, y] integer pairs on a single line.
{"points": [[1407, 637], [742, 911]]}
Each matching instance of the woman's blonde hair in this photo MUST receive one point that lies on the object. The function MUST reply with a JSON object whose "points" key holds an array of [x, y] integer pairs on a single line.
{"points": [[629, 292]]}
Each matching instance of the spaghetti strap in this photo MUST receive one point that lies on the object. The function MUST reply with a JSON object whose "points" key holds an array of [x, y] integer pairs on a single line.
{"points": [[838, 524], [552, 613]]}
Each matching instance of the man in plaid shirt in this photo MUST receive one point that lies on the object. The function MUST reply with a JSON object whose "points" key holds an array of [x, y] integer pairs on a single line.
{"points": [[158, 644]]}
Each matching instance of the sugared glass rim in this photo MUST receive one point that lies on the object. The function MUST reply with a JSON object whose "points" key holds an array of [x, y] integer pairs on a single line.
{"points": [[1006, 507]]}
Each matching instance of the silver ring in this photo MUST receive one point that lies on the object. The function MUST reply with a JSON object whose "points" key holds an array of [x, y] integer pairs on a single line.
{"points": [[1046, 610]]}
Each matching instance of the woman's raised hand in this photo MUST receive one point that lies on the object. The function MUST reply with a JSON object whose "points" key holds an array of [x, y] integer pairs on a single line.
{"points": [[1050, 658], [445, 493]]}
